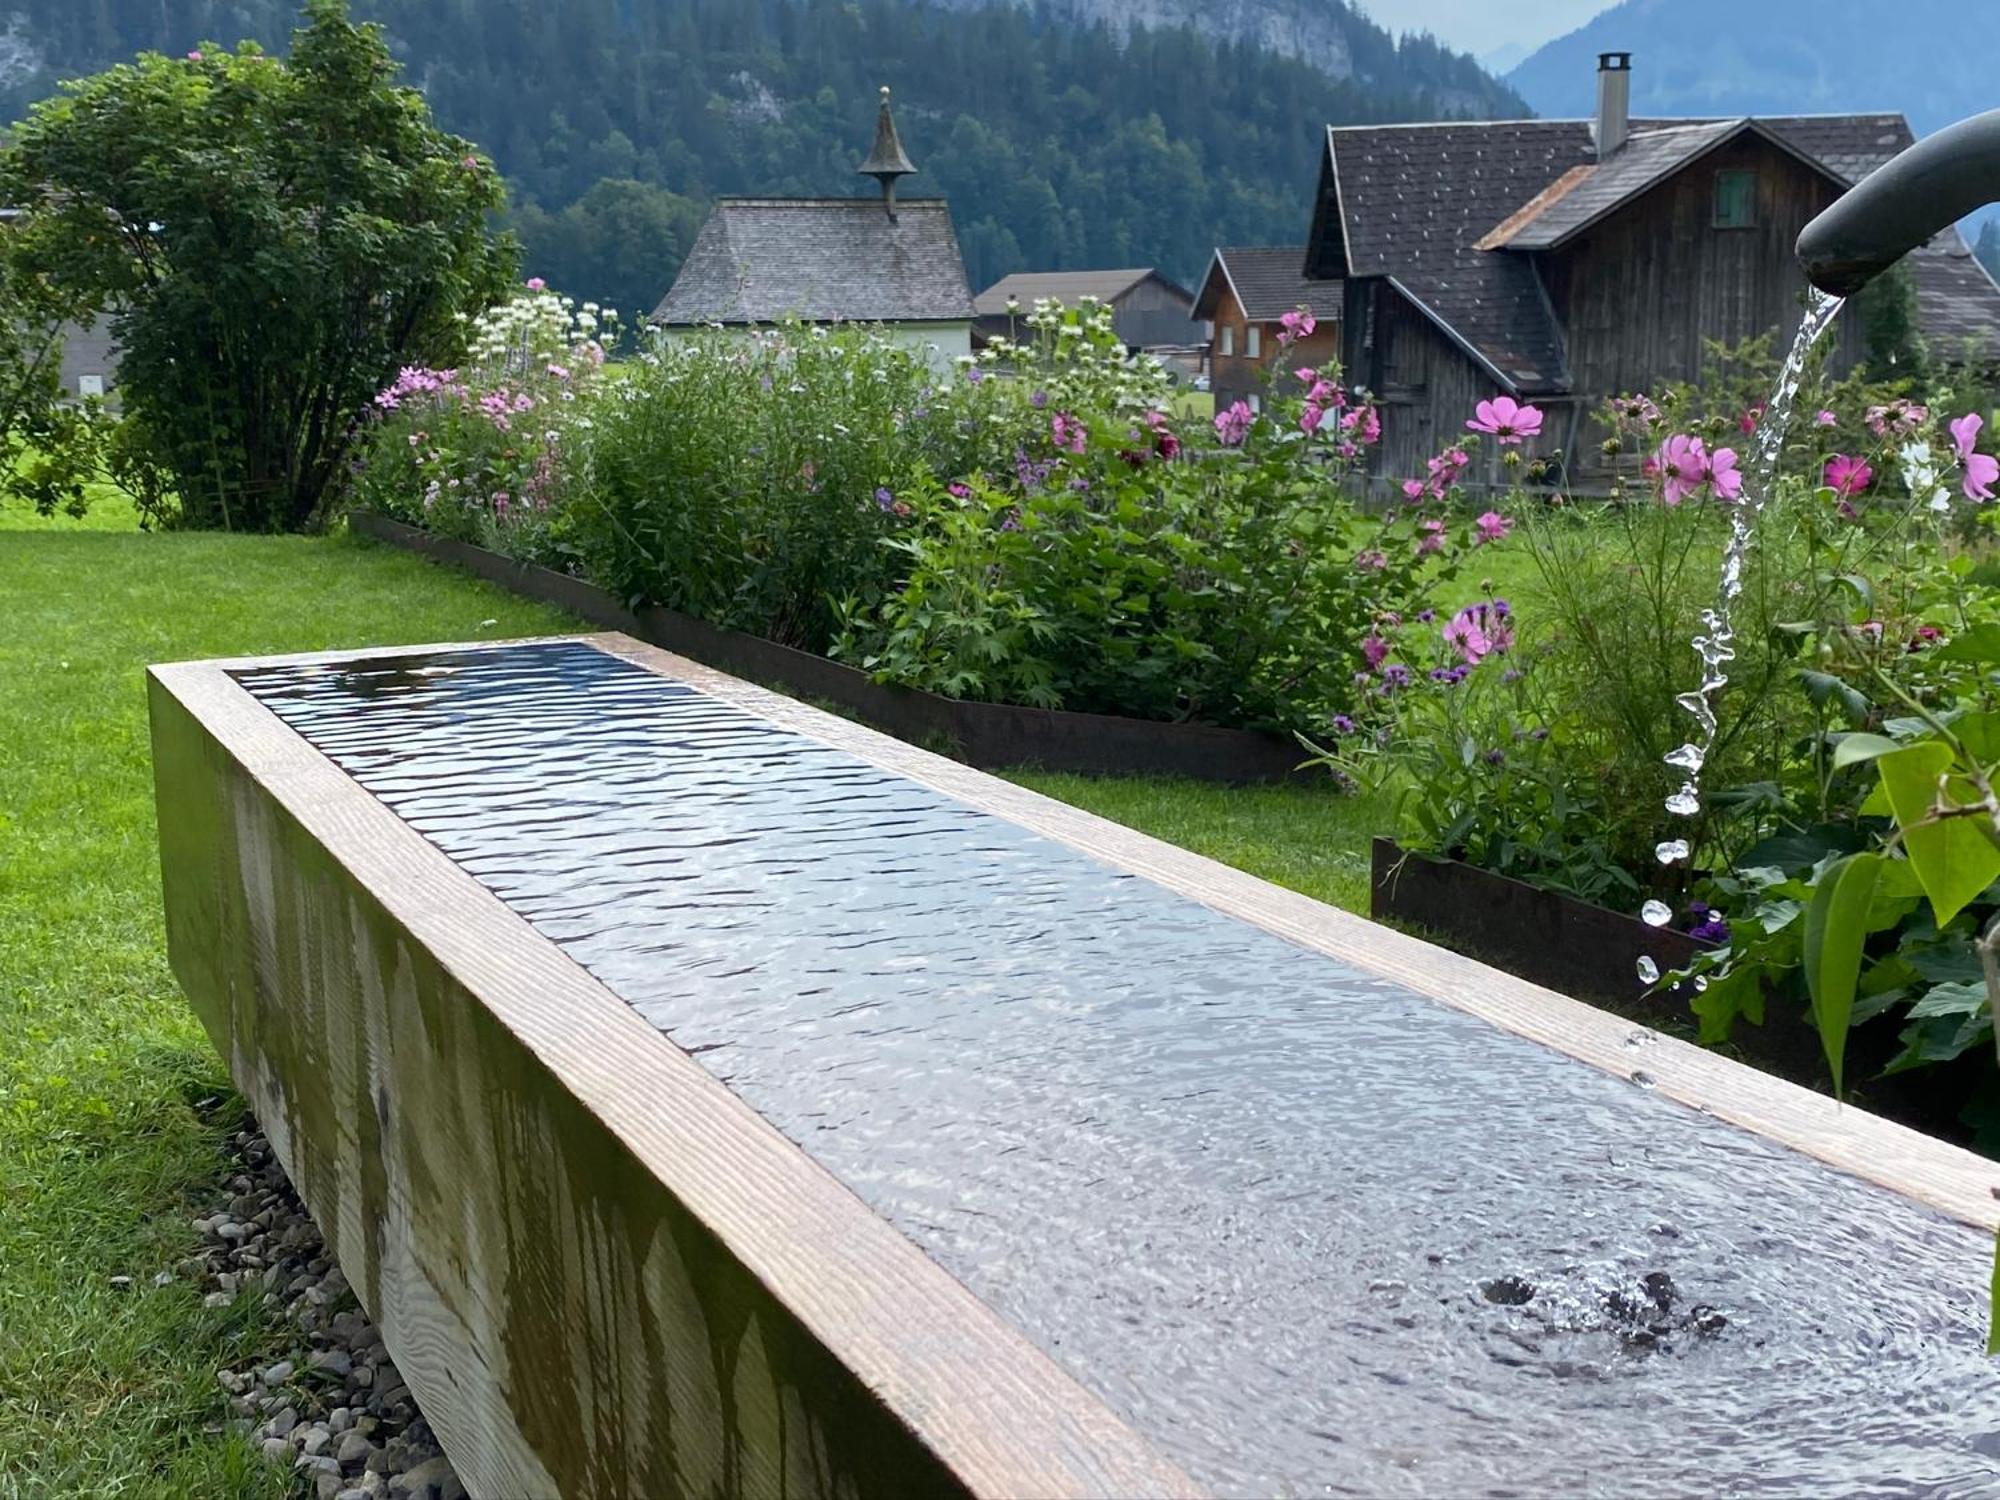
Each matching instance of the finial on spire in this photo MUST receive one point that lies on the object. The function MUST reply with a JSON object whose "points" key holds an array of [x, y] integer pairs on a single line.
{"points": [[887, 161]]}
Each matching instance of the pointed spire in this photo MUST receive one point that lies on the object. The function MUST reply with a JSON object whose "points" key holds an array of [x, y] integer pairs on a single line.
{"points": [[887, 161]]}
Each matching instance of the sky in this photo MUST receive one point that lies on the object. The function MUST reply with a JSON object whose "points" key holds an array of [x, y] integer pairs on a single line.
{"points": [[1481, 26]]}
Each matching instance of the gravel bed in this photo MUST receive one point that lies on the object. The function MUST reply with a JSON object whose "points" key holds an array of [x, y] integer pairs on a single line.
{"points": [[336, 1411]]}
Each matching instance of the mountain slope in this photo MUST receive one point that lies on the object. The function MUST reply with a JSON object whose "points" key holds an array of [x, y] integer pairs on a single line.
{"points": [[1931, 59], [1060, 140]]}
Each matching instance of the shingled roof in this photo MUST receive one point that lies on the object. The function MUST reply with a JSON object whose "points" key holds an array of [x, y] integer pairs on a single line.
{"points": [[1443, 210], [1268, 281], [1066, 287], [823, 260]]}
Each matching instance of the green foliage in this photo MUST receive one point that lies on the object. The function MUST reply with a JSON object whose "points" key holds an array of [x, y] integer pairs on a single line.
{"points": [[1890, 326], [1059, 144], [109, 1389], [271, 240]]}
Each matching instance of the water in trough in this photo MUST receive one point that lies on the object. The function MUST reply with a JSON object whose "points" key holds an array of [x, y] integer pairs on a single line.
{"points": [[1308, 1231]]}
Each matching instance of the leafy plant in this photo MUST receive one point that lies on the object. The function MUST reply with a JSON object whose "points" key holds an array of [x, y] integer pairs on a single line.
{"points": [[271, 242]]}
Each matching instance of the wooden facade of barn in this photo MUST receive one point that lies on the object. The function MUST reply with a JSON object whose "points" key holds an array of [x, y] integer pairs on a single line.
{"points": [[1243, 297], [1525, 259]]}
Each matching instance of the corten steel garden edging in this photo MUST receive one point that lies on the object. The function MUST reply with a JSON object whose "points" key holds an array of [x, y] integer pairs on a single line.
{"points": [[600, 1271], [1955, 1181], [987, 735]]}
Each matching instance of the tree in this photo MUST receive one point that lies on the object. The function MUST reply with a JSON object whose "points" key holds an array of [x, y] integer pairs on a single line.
{"points": [[42, 442], [272, 241]]}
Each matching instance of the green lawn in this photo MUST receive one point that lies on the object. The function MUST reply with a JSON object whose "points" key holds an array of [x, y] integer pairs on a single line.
{"points": [[1306, 836], [103, 1158]]}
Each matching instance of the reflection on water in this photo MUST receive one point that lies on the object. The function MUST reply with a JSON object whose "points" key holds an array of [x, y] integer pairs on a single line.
{"points": [[1309, 1232]]}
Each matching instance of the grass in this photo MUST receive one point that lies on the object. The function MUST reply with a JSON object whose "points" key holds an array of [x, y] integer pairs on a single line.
{"points": [[103, 1156], [1307, 836]]}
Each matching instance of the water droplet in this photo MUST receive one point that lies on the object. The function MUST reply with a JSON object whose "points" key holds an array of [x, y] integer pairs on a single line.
{"points": [[1644, 1080], [1637, 1039], [1656, 913], [1685, 803], [1687, 758], [1672, 852], [1700, 983], [1649, 972]]}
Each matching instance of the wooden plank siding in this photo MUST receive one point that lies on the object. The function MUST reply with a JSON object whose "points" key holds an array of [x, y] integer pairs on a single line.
{"points": [[1638, 297], [1641, 293], [601, 1272]]}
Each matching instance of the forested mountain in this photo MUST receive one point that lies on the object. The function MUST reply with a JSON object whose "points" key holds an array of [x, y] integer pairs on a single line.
{"points": [[1060, 141]]}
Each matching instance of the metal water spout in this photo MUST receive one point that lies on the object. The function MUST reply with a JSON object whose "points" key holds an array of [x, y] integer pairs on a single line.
{"points": [[1902, 204]]}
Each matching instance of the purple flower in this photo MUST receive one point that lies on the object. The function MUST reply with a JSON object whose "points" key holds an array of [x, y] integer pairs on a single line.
{"points": [[1342, 724], [975, 374], [1449, 676], [885, 498], [1496, 757], [1426, 616], [1395, 675], [1039, 400], [1708, 927]]}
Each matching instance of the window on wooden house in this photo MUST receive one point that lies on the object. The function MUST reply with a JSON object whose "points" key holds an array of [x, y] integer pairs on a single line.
{"points": [[1736, 200], [1253, 342], [1226, 339], [1256, 402]]}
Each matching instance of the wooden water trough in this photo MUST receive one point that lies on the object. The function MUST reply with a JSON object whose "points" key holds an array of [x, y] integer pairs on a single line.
{"points": [[708, 1095]]}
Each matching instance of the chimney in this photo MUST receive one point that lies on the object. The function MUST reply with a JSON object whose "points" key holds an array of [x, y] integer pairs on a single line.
{"points": [[887, 161], [1614, 102]]}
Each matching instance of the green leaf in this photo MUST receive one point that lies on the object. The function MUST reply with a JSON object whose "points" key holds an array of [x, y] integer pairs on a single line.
{"points": [[1740, 992], [1955, 858], [1836, 927], [1856, 748], [1979, 644], [1993, 1302], [1950, 1000], [1980, 734]]}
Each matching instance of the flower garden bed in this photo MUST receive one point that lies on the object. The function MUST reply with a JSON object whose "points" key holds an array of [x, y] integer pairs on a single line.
{"points": [[1592, 953], [988, 735]]}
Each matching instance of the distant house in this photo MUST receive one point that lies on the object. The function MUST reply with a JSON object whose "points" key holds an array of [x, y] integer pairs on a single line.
{"points": [[1149, 310], [1566, 261], [89, 353], [760, 261], [1246, 291]]}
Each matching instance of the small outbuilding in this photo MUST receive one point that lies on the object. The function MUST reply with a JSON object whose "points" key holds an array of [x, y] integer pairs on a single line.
{"points": [[760, 261], [1150, 310]]}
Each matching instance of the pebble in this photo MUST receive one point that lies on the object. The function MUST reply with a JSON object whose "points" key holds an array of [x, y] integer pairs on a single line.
{"points": [[353, 1432]]}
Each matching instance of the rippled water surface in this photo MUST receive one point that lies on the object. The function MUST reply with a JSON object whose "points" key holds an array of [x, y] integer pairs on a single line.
{"points": [[1309, 1232]]}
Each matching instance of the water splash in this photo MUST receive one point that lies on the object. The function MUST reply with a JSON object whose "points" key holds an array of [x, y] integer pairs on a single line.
{"points": [[1717, 644], [1656, 913]]}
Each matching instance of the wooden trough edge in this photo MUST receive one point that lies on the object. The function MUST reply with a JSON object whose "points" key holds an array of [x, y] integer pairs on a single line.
{"points": [[1949, 1178], [987, 735], [302, 912]]}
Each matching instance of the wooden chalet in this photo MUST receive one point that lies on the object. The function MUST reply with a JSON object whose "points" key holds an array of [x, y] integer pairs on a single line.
{"points": [[1243, 296], [1150, 310], [1563, 262]]}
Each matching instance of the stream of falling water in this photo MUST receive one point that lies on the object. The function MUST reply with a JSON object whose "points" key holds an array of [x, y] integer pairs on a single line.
{"points": [[1716, 646]]}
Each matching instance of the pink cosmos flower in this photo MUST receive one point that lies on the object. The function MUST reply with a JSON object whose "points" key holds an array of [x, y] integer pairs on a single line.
{"points": [[1307, 374], [1981, 469], [1294, 326], [1375, 649], [959, 491], [194, 56], [1749, 420], [1479, 631], [1232, 424], [1506, 419], [471, 164], [1825, 419], [1431, 538], [1687, 465], [1847, 477], [1898, 419], [1415, 489], [1363, 424], [1491, 527], [1370, 561], [1310, 418], [536, 284], [1067, 432]]}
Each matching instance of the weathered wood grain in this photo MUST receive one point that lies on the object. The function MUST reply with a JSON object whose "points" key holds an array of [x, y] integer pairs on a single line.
{"points": [[599, 1270], [1947, 1177]]}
